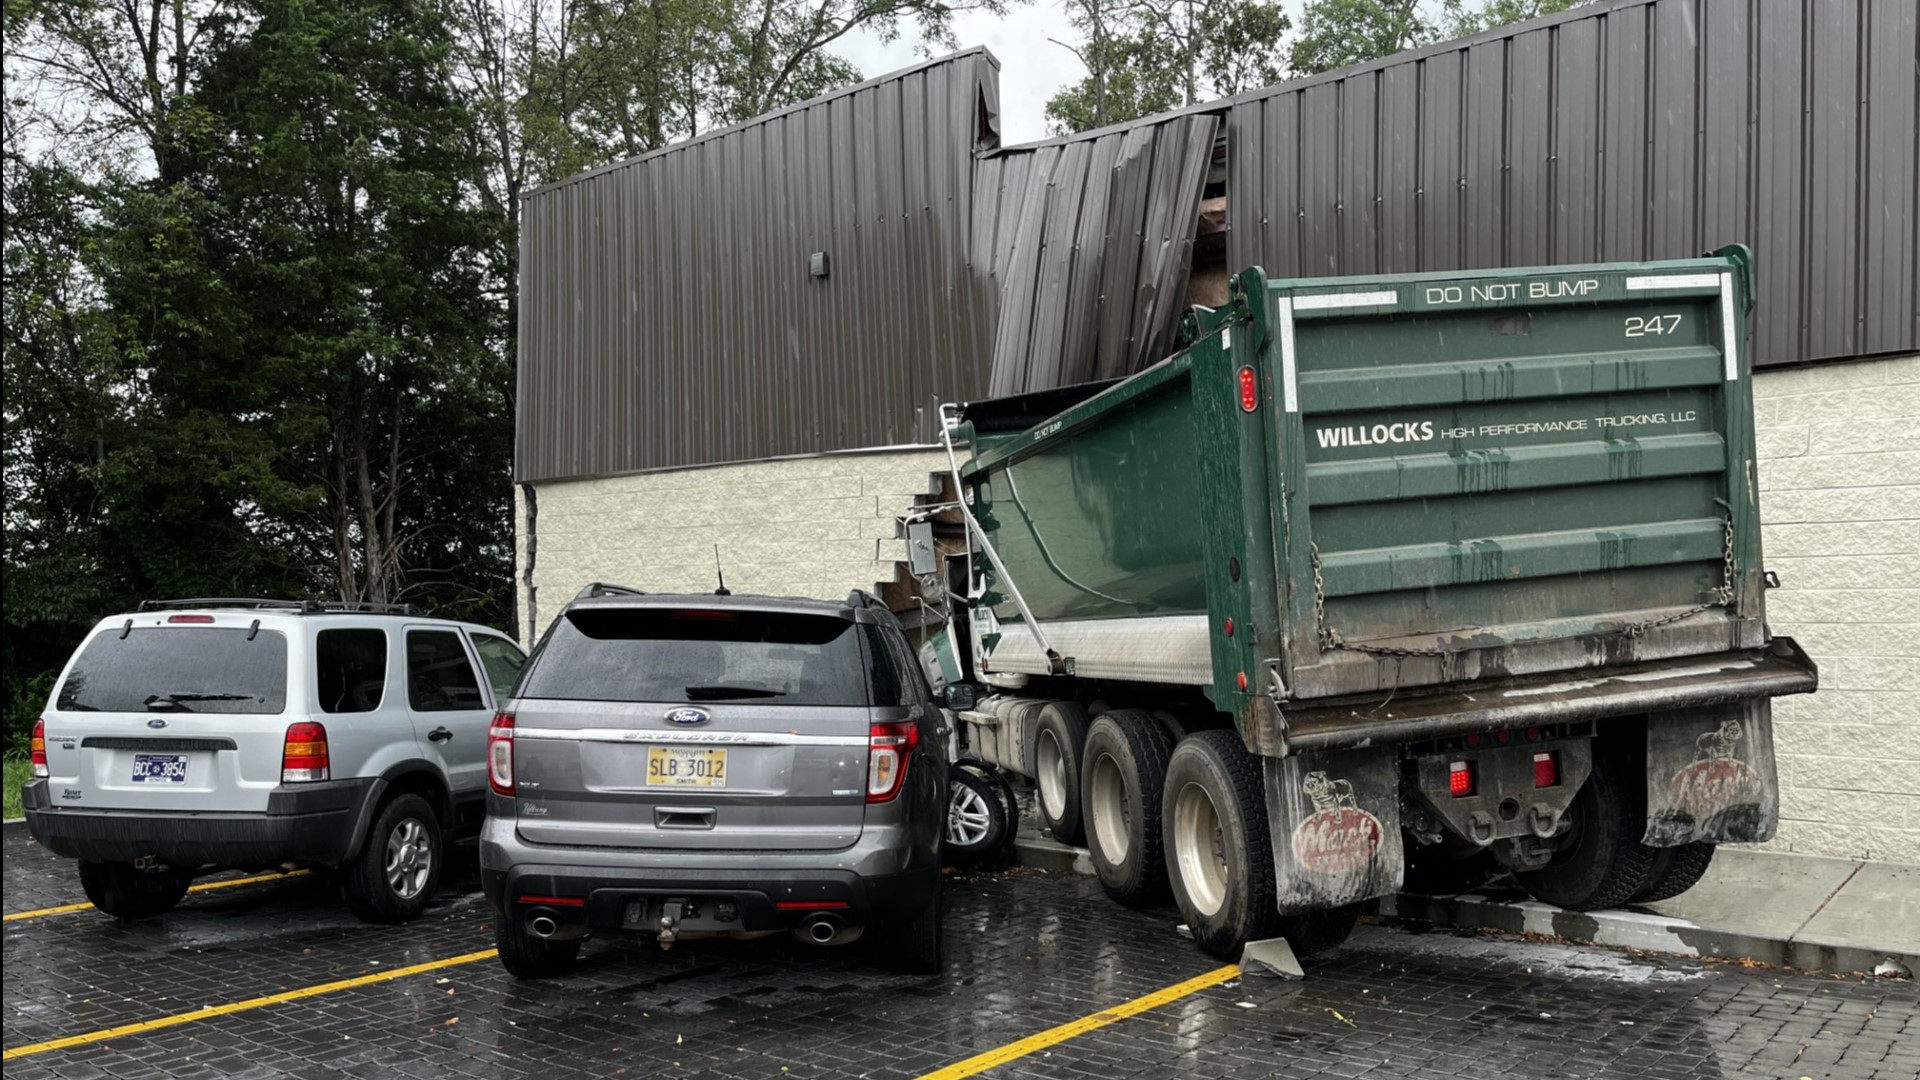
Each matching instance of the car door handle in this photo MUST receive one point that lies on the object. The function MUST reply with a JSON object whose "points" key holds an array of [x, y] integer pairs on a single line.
{"points": [[439, 734]]}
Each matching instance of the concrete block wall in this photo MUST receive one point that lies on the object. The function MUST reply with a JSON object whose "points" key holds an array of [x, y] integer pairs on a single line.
{"points": [[813, 526], [1839, 479], [1839, 473]]}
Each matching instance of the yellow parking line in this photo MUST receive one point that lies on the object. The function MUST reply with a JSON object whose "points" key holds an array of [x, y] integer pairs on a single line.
{"points": [[241, 1006], [980, 1063], [65, 909]]}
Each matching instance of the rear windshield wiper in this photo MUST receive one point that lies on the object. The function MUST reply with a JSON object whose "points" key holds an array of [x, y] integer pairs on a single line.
{"points": [[175, 699], [716, 693]]}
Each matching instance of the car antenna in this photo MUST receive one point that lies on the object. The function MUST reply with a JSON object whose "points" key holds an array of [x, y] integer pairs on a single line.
{"points": [[719, 573]]}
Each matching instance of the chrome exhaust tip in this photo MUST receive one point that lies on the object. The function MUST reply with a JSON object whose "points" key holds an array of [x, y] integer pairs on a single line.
{"points": [[542, 926], [822, 931]]}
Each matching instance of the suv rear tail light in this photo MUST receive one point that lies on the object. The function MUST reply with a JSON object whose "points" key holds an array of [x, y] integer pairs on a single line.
{"points": [[39, 747], [1460, 779], [888, 748], [500, 754], [304, 757], [1546, 768]]}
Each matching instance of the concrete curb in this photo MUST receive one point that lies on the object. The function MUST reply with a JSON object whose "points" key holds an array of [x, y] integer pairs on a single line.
{"points": [[1645, 931], [1638, 930]]}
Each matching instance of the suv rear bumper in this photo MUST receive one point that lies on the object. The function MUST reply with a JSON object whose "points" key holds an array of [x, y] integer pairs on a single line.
{"points": [[765, 899], [311, 823]]}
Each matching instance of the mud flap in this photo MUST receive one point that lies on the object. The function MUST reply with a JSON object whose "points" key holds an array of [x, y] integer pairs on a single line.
{"points": [[1335, 819], [1711, 776]]}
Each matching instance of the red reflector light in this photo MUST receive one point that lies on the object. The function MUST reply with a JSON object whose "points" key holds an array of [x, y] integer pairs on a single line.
{"points": [[1473, 740], [808, 905], [1249, 390], [1229, 627], [303, 757], [1505, 736], [1546, 768], [189, 618], [1533, 733], [39, 747], [1240, 680], [555, 901], [1460, 780]]}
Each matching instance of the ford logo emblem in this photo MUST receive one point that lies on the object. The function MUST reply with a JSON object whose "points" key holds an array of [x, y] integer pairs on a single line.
{"points": [[687, 716], [156, 723]]}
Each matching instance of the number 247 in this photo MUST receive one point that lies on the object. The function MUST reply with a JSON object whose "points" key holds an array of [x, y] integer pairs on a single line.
{"points": [[1657, 324]]}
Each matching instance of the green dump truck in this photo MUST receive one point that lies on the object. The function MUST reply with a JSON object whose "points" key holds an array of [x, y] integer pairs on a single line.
{"points": [[1432, 574]]}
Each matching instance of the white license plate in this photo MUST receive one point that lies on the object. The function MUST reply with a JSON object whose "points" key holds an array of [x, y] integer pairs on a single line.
{"points": [[159, 768], [672, 766]]}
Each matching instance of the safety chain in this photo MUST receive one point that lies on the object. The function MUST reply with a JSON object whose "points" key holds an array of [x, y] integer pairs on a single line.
{"points": [[1330, 637]]}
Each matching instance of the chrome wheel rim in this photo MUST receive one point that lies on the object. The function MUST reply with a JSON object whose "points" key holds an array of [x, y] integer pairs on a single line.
{"points": [[1200, 849], [409, 858], [1107, 809], [1051, 766], [969, 819]]}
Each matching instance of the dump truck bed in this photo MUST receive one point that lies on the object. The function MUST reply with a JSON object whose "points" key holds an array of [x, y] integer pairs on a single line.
{"points": [[1343, 489]]}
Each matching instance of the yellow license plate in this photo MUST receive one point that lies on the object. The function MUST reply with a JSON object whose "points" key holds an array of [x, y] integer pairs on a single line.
{"points": [[672, 766]]}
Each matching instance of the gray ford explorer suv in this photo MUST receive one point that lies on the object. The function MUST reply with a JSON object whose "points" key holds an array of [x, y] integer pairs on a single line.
{"points": [[202, 735], [693, 766]]}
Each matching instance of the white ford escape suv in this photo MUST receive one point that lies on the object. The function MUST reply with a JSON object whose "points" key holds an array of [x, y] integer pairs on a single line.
{"points": [[201, 735]]}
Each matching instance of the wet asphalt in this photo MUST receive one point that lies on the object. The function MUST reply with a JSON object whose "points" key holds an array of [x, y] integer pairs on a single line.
{"points": [[1025, 952]]}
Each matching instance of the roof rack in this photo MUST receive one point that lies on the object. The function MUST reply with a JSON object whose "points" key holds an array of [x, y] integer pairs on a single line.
{"points": [[298, 607], [601, 588]]}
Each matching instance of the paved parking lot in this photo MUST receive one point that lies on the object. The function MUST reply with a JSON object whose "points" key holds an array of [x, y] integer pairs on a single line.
{"points": [[1033, 963]]}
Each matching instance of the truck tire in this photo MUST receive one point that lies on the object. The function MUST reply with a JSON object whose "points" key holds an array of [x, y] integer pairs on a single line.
{"points": [[1320, 931], [1601, 862], [978, 824], [528, 957], [1219, 849], [125, 891], [1675, 870], [1125, 770], [1059, 740], [399, 864]]}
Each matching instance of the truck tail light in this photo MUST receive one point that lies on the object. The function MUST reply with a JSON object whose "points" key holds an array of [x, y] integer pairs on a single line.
{"points": [[500, 754], [888, 748], [1249, 390], [1546, 768], [39, 747], [304, 756], [1460, 779]]}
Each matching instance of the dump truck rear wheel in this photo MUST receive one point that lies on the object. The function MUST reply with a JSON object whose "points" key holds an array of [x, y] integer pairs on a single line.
{"points": [[1125, 768], [1059, 741], [1601, 862], [1219, 851], [1675, 870]]}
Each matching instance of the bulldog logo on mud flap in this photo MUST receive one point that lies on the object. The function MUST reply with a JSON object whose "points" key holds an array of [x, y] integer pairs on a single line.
{"points": [[1338, 837], [1717, 780]]}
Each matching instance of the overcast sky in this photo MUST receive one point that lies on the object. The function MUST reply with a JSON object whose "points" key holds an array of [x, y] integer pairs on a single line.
{"points": [[1032, 69]]}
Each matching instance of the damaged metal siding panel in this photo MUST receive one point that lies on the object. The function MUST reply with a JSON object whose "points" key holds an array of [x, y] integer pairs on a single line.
{"points": [[1636, 130], [668, 317], [1090, 244]]}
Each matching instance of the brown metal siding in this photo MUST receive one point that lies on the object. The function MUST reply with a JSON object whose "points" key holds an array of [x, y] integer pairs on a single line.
{"points": [[668, 317], [1089, 243], [1645, 129]]}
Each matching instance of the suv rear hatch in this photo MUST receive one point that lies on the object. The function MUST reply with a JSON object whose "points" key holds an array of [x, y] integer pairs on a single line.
{"points": [[717, 727], [171, 713]]}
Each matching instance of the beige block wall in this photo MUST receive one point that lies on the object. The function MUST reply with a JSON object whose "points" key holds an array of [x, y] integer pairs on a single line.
{"points": [[1840, 480], [813, 526], [1840, 511]]}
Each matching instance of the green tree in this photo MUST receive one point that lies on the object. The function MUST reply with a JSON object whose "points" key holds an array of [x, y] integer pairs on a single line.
{"points": [[1148, 56]]}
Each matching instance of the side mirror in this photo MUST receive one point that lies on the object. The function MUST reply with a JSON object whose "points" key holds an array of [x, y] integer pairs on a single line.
{"points": [[960, 696]]}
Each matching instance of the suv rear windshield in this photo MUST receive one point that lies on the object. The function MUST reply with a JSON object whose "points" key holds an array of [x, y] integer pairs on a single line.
{"points": [[687, 655], [210, 670]]}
